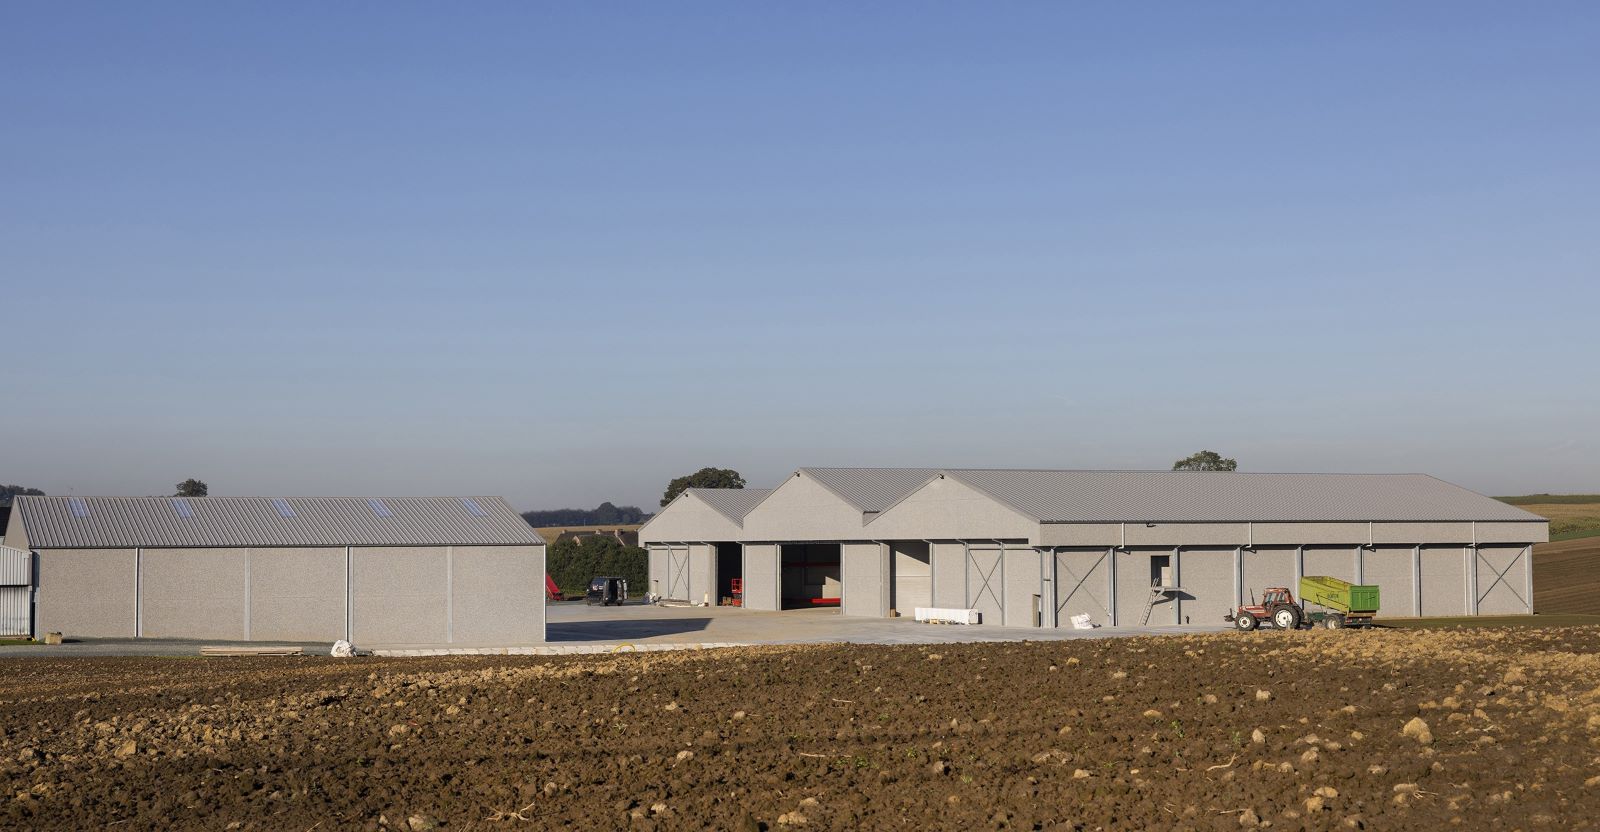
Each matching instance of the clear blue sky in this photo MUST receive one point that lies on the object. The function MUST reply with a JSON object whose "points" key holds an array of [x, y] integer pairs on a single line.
{"points": [[563, 252]]}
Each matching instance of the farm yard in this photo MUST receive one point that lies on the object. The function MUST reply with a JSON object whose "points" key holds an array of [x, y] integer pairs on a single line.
{"points": [[1320, 730]]}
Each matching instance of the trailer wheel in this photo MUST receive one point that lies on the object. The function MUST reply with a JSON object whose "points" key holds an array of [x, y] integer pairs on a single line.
{"points": [[1286, 618], [1334, 622], [1246, 622]]}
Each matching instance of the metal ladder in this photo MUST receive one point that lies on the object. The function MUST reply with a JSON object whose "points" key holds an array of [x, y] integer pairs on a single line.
{"points": [[1157, 590]]}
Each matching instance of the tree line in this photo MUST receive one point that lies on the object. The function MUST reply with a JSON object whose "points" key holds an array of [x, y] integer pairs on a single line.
{"points": [[604, 514]]}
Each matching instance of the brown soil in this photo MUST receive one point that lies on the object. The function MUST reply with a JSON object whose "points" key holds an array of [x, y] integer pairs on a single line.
{"points": [[1090, 734], [1565, 579]]}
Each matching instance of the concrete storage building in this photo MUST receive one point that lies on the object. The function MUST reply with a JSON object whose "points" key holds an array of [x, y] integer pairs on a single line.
{"points": [[402, 570], [1129, 548]]}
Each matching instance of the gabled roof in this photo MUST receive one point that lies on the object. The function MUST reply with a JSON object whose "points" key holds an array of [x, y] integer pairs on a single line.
{"points": [[732, 503], [154, 522], [1056, 496], [871, 489]]}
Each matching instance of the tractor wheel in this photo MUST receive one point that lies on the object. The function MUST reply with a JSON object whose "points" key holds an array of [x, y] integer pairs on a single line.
{"points": [[1286, 618], [1246, 622], [1334, 622]]}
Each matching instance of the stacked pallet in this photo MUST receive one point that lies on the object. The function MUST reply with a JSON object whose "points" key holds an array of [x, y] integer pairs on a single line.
{"points": [[263, 650]]}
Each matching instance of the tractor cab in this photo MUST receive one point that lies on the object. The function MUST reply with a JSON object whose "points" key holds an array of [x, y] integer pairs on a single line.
{"points": [[1276, 595]]}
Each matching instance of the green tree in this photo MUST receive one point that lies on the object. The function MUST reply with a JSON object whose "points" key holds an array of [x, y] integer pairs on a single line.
{"points": [[572, 562], [703, 478], [1206, 461], [191, 488], [9, 491]]}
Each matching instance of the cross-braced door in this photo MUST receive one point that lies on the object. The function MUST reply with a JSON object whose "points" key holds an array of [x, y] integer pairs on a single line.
{"points": [[1080, 586], [678, 573], [986, 584]]}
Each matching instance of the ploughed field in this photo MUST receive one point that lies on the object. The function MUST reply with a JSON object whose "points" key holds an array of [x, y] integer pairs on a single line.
{"points": [[1320, 730]]}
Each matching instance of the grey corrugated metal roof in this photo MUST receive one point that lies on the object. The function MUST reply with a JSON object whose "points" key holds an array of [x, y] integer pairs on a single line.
{"points": [[152, 522], [871, 489], [1215, 496], [732, 503]]}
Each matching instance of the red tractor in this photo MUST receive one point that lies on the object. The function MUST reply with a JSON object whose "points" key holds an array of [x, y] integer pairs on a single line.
{"points": [[1277, 609]]}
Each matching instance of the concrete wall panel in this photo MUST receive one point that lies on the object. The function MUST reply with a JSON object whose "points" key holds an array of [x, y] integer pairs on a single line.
{"points": [[297, 594], [1307, 534], [1531, 532], [1416, 533], [1502, 581], [398, 595], [498, 595], [1444, 580], [949, 508], [864, 575], [1134, 571], [1080, 534], [1334, 561], [1188, 534], [761, 576], [1082, 585], [1206, 576], [949, 569], [985, 577], [1267, 567], [193, 593], [657, 556], [16, 536], [702, 573], [1023, 581], [911, 576], [1389, 568], [87, 592], [802, 509], [688, 518]]}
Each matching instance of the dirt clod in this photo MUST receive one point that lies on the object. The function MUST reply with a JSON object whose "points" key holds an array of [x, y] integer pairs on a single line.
{"points": [[1417, 729]]}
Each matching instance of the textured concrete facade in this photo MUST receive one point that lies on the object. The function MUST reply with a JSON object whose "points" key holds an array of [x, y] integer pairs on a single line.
{"points": [[394, 595], [397, 596], [801, 509], [1080, 542], [1444, 580], [1023, 587], [1501, 585], [949, 569], [864, 578], [1390, 569], [762, 576], [193, 593], [985, 577], [1082, 585], [702, 573], [1207, 577], [911, 576], [88, 592], [297, 594], [948, 508], [498, 594]]}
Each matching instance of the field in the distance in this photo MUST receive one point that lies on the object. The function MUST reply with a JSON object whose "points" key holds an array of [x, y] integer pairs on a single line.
{"points": [[1571, 516], [550, 533]]}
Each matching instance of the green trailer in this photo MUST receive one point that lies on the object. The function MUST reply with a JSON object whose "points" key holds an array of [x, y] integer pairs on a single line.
{"points": [[1343, 604]]}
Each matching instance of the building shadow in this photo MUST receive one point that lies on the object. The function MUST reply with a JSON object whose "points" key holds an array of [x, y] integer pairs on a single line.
{"points": [[622, 629]]}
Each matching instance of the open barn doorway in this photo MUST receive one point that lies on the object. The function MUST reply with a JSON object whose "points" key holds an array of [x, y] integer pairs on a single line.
{"points": [[811, 575], [730, 573]]}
